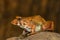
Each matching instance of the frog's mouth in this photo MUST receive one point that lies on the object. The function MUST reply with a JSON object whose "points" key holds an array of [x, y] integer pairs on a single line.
{"points": [[23, 26]]}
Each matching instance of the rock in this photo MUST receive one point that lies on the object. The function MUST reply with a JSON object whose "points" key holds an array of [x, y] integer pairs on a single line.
{"points": [[40, 36]]}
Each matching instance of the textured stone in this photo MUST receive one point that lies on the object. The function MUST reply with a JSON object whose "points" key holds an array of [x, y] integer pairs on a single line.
{"points": [[40, 36]]}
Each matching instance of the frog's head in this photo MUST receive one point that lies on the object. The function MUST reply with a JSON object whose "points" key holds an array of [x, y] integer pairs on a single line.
{"points": [[16, 20], [19, 21]]}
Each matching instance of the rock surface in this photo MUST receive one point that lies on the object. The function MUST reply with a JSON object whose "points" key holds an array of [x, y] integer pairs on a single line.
{"points": [[40, 36]]}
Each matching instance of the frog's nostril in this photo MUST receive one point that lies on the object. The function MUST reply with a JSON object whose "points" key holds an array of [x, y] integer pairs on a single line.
{"points": [[16, 23], [12, 22]]}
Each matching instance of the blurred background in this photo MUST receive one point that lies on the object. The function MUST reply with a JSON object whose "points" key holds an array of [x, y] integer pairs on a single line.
{"points": [[48, 9]]}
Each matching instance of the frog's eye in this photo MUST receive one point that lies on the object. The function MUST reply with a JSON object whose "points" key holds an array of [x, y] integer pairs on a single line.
{"points": [[18, 18], [24, 23]]}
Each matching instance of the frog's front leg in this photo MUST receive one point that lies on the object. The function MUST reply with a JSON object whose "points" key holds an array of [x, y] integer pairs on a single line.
{"points": [[25, 33], [22, 35], [32, 30]]}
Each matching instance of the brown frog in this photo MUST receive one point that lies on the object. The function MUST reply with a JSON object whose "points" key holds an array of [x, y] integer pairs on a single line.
{"points": [[33, 24]]}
